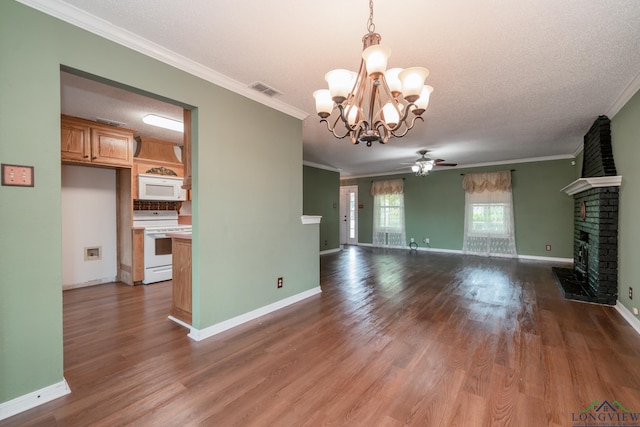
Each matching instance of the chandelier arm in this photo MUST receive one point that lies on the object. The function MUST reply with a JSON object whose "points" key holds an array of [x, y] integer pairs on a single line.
{"points": [[332, 129], [402, 114], [407, 129]]}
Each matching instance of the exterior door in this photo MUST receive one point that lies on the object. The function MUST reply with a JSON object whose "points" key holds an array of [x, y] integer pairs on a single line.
{"points": [[349, 215]]}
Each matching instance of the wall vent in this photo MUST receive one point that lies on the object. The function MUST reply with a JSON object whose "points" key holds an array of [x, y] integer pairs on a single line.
{"points": [[267, 90]]}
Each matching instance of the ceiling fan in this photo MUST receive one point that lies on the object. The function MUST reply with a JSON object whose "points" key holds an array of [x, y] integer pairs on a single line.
{"points": [[424, 164]]}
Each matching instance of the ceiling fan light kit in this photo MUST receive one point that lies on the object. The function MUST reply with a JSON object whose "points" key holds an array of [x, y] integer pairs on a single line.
{"points": [[424, 164], [369, 103]]}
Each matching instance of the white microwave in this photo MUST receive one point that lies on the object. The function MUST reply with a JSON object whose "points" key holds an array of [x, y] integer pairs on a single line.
{"points": [[157, 187]]}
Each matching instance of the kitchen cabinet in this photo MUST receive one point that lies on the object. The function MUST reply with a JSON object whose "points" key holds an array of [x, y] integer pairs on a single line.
{"points": [[186, 152], [181, 281], [91, 143]]}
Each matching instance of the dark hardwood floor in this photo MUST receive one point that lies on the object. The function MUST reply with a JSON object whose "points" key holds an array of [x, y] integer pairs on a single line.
{"points": [[396, 338]]}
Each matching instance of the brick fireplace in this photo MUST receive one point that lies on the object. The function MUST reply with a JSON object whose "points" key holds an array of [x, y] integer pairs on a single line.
{"points": [[594, 277]]}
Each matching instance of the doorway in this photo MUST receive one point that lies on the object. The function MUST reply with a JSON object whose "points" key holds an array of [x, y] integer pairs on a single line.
{"points": [[349, 215], [93, 99]]}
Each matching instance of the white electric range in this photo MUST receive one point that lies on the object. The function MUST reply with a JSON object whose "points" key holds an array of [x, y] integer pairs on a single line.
{"points": [[157, 246]]}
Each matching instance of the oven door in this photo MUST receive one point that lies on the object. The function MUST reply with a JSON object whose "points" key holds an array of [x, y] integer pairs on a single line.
{"points": [[157, 249], [157, 257]]}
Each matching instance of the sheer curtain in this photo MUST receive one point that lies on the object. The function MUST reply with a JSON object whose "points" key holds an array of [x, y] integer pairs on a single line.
{"points": [[488, 219], [388, 213]]}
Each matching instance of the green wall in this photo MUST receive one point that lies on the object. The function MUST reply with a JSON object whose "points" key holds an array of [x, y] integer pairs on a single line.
{"points": [[247, 231], [434, 207], [625, 137], [322, 197]]}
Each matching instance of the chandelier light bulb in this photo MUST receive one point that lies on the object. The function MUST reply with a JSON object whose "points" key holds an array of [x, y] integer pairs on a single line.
{"points": [[412, 82], [415, 168], [423, 101], [393, 81], [324, 103], [390, 114], [340, 83], [352, 114], [376, 57]]}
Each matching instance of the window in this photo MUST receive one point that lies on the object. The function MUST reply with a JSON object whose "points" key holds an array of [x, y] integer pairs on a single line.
{"points": [[352, 215], [388, 213], [489, 218], [489, 227]]}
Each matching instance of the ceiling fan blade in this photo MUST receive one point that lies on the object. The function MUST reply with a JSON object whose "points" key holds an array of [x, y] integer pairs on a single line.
{"points": [[444, 164]]}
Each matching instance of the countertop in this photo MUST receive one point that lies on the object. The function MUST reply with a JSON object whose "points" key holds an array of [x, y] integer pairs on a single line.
{"points": [[180, 235]]}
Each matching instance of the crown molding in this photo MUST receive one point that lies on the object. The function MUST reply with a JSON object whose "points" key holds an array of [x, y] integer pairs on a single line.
{"points": [[624, 97], [79, 18], [319, 166], [473, 165]]}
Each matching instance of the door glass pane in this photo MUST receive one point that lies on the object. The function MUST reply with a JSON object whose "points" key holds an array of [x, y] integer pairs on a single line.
{"points": [[352, 215]]}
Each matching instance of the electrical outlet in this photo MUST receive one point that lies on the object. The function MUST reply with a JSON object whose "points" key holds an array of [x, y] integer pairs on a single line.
{"points": [[425, 240], [279, 282], [630, 292], [548, 247], [413, 240], [635, 310]]}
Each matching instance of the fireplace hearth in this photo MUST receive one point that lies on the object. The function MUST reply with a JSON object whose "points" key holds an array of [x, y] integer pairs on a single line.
{"points": [[594, 277]]}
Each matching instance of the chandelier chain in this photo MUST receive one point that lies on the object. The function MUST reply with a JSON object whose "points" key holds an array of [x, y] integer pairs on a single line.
{"points": [[371, 27]]}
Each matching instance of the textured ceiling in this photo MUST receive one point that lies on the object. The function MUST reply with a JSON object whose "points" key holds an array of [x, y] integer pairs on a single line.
{"points": [[513, 80]]}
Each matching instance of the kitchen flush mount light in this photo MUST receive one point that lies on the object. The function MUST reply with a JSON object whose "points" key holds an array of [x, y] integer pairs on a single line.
{"points": [[369, 103], [163, 122]]}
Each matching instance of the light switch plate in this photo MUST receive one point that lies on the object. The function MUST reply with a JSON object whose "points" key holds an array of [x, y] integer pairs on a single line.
{"points": [[17, 175]]}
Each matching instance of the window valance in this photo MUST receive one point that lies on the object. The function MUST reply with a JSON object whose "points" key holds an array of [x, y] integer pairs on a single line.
{"points": [[491, 181], [392, 186]]}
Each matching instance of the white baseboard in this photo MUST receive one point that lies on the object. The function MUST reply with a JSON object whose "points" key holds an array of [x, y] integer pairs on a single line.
{"points": [[90, 283], [446, 251], [180, 322], [33, 399], [460, 252], [330, 251], [628, 316], [546, 258], [200, 334]]}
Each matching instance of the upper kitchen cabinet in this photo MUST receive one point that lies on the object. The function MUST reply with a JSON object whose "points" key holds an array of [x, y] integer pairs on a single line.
{"points": [[186, 151], [87, 142]]}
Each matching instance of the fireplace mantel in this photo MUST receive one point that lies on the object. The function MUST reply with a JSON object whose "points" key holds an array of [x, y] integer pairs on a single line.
{"points": [[583, 184]]}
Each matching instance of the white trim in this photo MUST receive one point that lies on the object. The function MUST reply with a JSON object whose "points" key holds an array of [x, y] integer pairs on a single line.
{"points": [[578, 150], [583, 184], [319, 166], [628, 316], [469, 166], [201, 334], [33, 399], [90, 283], [105, 29], [460, 252], [546, 258], [180, 322], [624, 97], [311, 219], [446, 251], [330, 251]]}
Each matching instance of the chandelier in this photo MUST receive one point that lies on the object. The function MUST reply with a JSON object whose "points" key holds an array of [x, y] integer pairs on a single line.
{"points": [[373, 104]]}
